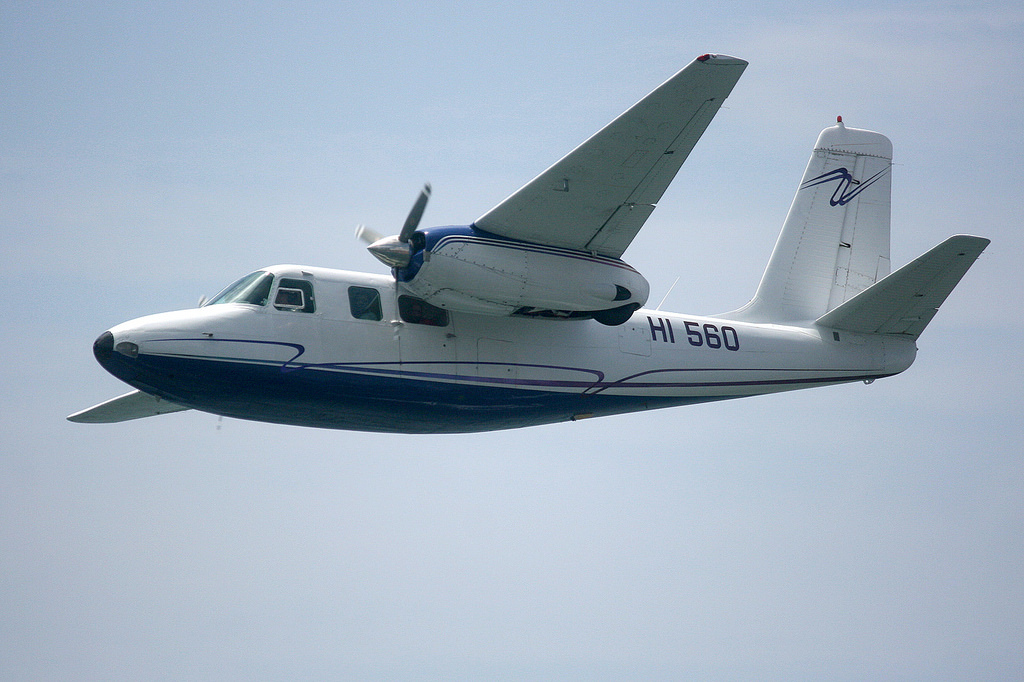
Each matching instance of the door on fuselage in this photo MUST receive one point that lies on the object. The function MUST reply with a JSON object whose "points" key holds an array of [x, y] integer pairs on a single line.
{"points": [[296, 320]]}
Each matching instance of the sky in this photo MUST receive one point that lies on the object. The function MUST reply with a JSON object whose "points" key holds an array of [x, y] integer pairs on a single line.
{"points": [[153, 152]]}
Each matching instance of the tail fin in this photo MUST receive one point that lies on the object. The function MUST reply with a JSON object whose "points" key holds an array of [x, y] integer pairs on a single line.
{"points": [[835, 241], [907, 300]]}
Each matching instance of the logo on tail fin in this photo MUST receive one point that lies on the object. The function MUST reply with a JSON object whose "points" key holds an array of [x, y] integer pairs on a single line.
{"points": [[848, 188]]}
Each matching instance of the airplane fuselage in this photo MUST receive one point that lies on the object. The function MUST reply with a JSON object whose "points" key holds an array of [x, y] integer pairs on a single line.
{"points": [[338, 349]]}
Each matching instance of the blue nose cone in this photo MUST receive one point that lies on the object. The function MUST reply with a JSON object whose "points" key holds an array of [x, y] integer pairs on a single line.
{"points": [[117, 359], [103, 348]]}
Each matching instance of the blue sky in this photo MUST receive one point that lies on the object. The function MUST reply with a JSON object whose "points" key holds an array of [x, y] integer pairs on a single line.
{"points": [[151, 153]]}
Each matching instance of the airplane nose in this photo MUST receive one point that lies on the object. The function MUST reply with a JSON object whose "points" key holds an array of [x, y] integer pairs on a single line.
{"points": [[114, 357], [103, 347]]}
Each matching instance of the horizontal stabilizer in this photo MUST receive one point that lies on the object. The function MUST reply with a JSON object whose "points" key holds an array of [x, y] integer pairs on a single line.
{"points": [[134, 405], [907, 300]]}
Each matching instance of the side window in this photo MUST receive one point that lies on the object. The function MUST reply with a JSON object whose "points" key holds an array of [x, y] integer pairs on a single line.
{"points": [[295, 295], [418, 311], [364, 303]]}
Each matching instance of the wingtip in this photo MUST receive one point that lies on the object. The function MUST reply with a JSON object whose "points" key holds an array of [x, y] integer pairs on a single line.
{"points": [[972, 240], [721, 60]]}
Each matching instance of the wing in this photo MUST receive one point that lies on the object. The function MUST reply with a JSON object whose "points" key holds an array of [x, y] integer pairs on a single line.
{"points": [[599, 196], [134, 405]]}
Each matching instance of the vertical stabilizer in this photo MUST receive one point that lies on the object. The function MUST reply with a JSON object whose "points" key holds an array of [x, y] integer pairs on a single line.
{"points": [[835, 241]]}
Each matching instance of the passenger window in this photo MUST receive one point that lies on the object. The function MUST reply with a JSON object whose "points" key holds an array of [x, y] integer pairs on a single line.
{"points": [[364, 303], [418, 311], [295, 295]]}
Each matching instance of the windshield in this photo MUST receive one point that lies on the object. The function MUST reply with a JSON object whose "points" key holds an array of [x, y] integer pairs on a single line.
{"points": [[253, 288]]}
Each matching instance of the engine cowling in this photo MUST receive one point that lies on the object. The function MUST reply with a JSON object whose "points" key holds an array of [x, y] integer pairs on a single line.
{"points": [[463, 268]]}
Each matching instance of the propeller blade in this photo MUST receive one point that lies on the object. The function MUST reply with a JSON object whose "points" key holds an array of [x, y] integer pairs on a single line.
{"points": [[413, 221], [367, 235]]}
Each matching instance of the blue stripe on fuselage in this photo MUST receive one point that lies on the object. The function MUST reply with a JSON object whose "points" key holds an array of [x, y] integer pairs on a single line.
{"points": [[391, 397], [339, 399]]}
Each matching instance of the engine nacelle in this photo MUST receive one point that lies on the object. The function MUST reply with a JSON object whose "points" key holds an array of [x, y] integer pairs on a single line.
{"points": [[462, 268]]}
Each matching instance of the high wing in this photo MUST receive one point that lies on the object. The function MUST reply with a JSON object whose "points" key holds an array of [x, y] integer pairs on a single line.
{"points": [[599, 196]]}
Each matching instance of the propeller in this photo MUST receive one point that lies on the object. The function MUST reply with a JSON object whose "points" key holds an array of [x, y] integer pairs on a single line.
{"points": [[395, 250], [413, 220], [364, 233]]}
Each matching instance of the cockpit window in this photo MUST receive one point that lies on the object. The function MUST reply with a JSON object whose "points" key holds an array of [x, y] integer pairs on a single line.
{"points": [[418, 311], [253, 289], [364, 303], [296, 295]]}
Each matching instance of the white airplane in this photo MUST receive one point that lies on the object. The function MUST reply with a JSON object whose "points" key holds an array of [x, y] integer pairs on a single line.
{"points": [[529, 316]]}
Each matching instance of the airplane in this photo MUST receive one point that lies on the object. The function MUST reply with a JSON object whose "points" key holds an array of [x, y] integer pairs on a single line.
{"points": [[529, 315]]}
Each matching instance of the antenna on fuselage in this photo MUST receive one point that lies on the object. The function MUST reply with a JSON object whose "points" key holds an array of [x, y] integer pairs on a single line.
{"points": [[667, 293]]}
